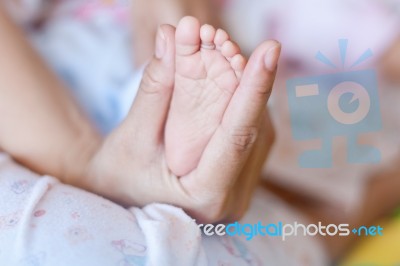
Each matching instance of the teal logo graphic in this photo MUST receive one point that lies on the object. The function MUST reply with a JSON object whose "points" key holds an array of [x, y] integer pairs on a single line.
{"points": [[343, 104], [286, 230], [368, 231]]}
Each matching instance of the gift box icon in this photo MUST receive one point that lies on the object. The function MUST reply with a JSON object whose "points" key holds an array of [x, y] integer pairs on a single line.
{"points": [[342, 104]]}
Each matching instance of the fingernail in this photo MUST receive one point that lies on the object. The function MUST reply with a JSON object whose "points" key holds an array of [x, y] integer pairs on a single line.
{"points": [[160, 44], [272, 57]]}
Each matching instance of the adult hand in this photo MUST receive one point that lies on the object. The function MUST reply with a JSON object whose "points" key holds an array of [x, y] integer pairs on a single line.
{"points": [[130, 167]]}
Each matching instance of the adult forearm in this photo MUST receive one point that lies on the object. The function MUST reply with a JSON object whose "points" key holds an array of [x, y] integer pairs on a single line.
{"points": [[40, 125]]}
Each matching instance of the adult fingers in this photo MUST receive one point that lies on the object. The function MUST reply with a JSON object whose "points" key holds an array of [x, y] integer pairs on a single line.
{"points": [[148, 113], [230, 146]]}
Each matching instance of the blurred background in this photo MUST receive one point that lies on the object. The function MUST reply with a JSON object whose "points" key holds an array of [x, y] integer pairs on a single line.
{"points": [[99, 48]]}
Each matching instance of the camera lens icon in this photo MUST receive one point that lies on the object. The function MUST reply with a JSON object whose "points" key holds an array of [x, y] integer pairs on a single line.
{"points": [[341, 108], [341, 104]]}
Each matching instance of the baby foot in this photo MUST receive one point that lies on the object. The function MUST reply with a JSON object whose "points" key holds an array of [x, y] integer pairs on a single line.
{"points": [[208, 70]]}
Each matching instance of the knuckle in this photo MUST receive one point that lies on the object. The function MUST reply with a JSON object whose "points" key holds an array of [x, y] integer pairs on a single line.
{"points": [[151, 84], [243, 138], [264, 90], [263, 87]]}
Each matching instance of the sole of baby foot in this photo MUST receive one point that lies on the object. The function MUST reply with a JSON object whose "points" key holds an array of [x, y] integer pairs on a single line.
{"points": [[208, 70]]}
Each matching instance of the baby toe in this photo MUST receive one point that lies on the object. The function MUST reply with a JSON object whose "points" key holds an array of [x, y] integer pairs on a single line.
{"points": [[220, 38], [238, 64], [207, 35], [187, 36], [229, 49]]}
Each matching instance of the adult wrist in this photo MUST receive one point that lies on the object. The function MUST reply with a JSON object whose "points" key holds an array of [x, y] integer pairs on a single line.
{"points": [[78, 158]]}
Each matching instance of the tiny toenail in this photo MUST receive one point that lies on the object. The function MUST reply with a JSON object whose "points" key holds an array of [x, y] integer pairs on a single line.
{"points": [[208, 46], [160, 44], [271, 57]]}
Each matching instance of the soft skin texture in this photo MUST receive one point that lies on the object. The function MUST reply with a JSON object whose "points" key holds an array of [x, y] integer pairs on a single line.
{"points": [[42, 128], [220, 187], [40, 124], [205, 81]]}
